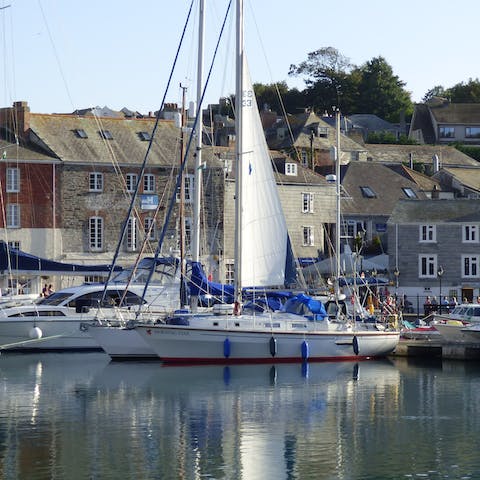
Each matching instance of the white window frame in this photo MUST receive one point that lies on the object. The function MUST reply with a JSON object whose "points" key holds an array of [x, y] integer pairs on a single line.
{"points": [[131, 237], [308, 238], [427, 233], [13, 215], [95, 182], [131, 180], [291, 169], [307, 202], [229, 272], [427, 265], [14, 244], [189, 180], [470, 233], [304, 158], [13, 180], [95, 234], [470, 266], [149, 183], [149, 232]]}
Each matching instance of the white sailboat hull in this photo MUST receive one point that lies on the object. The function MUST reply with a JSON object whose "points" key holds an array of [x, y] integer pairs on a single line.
{"points": [[122, 343], [294, 341]]}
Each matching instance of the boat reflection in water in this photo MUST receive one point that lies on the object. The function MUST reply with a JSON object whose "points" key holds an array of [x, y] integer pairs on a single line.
{"points": [[79, 416]]}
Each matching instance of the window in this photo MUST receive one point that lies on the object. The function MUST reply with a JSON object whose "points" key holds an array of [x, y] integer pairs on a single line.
{"points": [[131, 181], [367, 192], [229, 273], [472, 132], [14, 244], [446, 132], [352, 228], [132, 234], [148, 183], [13, 215], [308, 239], [409, 192], [13, 179], [81, 133], [428, 233], [96, 234], [144, 136], [291, 169], [106, 134], [470, 266], [427, 266], [96, 182], [307, 202], [189, 189], [304, 156], [470, 233], [149, 228]]}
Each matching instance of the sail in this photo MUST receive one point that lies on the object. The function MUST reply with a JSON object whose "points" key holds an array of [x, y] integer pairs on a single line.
{"points": [[264, 231]]}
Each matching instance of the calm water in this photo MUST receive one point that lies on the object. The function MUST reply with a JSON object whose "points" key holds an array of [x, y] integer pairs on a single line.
{"points": [[78, 416]]}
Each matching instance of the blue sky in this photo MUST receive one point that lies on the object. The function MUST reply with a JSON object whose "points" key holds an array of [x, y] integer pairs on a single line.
{"points": [[59, 55]]}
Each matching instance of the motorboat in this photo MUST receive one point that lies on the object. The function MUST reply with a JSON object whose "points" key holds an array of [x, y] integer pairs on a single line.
{"points": [[451, 326]]}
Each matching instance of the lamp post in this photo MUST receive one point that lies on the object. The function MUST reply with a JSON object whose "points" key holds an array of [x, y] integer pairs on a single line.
{"points": [[439, 274], [374, 275], [396, 272]]}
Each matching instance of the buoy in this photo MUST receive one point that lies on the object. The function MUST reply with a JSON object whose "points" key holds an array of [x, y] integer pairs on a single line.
{"points": [[305, 350], [35, 332], [273, 346], [355, 345], [226, 348]]}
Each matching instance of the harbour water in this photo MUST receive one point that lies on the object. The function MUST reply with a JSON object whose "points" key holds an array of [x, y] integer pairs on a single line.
{"points": [[80, 416]]}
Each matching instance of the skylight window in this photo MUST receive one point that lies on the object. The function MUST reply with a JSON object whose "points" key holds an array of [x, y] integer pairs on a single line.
{"points": [[145, 136], [367, 192], [106, 134], [81, 133], [409, 192]]}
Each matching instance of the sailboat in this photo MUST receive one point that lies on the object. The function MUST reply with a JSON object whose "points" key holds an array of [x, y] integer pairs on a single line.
{"points": [[301, 330]]}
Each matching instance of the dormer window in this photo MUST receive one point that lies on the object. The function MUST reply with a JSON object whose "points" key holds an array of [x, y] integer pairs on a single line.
{"points": [[291, 169], [144, 136], [106, 134], [322, 132], [81, 133], [367, 192], [409, 192]]}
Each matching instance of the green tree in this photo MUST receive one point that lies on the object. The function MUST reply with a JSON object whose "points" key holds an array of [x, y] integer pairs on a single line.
{"points": [[437, 91], [465, 92], [381, 92], [278, 96]]}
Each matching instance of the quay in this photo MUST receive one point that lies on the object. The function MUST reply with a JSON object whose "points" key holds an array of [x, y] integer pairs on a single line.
{"points": [[437, 348]]}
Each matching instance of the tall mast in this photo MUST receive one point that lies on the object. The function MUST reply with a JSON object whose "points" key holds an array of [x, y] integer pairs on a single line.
{"points": [[198, 157], [238, 152], [182, 205], [338, 226], [197, 190]]}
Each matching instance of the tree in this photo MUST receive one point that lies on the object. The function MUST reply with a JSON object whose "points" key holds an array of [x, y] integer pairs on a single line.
{"points": [[465, 92], [437, 91], [327, 79], [381, 92], [277, 96]]}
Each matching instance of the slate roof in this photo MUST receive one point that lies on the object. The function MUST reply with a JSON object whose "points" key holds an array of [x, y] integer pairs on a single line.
{"points": [[457, 113], [436, 211], [385, 183], [424, 182], [18, 153], [301, 126], [420, 153], [468, 177]]}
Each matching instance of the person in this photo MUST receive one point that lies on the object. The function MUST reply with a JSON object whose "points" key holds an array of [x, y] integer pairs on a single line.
{"points": [[428, 301], [45, 291], [453, 301], [50, 290], [478, 299]]}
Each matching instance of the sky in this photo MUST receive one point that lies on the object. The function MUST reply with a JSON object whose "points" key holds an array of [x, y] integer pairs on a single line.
{"points": [[62, 55]]}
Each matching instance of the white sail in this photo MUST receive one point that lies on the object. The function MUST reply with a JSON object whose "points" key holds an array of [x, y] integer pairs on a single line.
{"points": [[264, 230]]}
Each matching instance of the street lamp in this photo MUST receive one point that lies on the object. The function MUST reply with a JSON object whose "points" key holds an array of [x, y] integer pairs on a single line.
{"points": [[396, 272], [439, 274]]}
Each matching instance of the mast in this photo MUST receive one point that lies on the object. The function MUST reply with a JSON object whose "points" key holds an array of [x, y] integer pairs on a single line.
{"points": [[197, 190], [199, 129], [239, 53], [181, 214], [337, 210]]}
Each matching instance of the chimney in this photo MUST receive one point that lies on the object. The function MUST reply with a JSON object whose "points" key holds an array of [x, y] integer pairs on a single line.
{"points": [[16, 120], [435, 193], [436, 163]]}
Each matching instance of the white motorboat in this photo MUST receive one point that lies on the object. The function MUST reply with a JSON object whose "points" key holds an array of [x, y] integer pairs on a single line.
{"points": [[57, 321], [301, 330], [452, 326]]}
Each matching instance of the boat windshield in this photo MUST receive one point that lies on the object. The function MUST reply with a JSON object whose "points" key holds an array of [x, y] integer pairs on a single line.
{"points": [[56, 298]]}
